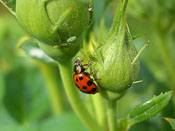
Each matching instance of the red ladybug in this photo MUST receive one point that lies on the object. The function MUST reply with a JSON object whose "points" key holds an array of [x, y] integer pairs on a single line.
{"points": [[82, 79]]}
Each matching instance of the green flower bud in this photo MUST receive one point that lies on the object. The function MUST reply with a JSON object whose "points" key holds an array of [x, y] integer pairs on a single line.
{"points": [[118, 72], [117, 60], [57, 24]]}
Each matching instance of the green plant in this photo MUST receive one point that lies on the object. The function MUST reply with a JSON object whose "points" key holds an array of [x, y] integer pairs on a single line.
{"points": [[58, 33], [171, 121]]}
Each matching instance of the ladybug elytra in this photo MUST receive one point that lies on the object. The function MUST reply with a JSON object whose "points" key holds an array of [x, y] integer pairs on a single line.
{"points": [[82, 79]]}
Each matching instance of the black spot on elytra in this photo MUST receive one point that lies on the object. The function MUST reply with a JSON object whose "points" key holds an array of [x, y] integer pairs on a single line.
{"points": [[89, 83], [81, 78], [84, 87], [93, 89], [76, 79]]}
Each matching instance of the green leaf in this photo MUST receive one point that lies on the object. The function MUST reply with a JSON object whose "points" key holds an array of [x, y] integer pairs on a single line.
{"points": [[171, 122], [5, 118], [65, 122], [148, 109], [26, 98], [7, 123], [32, 50]]}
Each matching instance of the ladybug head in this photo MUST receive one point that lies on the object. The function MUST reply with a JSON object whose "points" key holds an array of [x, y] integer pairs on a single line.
{"points": [[77, 61], [78, 66]]}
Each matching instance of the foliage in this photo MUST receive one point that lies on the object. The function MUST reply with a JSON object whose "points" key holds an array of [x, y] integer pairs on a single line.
{"points": [[171, 121], [33, 96]]}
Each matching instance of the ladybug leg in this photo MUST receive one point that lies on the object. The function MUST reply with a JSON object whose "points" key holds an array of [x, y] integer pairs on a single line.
{"points": [[85, 68], [83, 59], [91, 73], [96, 79], [89, 63]]}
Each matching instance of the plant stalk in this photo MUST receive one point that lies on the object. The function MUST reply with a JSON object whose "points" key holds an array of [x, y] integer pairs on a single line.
{"points": [[74, 97], [99, 104], [167, 57], [163, 44], [54, 85], [111, 114]]}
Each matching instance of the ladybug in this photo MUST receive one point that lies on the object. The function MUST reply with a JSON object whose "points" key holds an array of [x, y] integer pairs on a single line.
{"points": [[82, 79]]}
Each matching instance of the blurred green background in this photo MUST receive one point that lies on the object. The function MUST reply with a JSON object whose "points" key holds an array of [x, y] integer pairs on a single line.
{"points": [[26, 99]]}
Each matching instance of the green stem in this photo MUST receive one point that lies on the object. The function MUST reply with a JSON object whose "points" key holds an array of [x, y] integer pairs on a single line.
{"points": [[54, 85], [111, 114], [102, 23], [74, 97], [99, 106], [106, 5], [163, 45], [166, 56]]}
